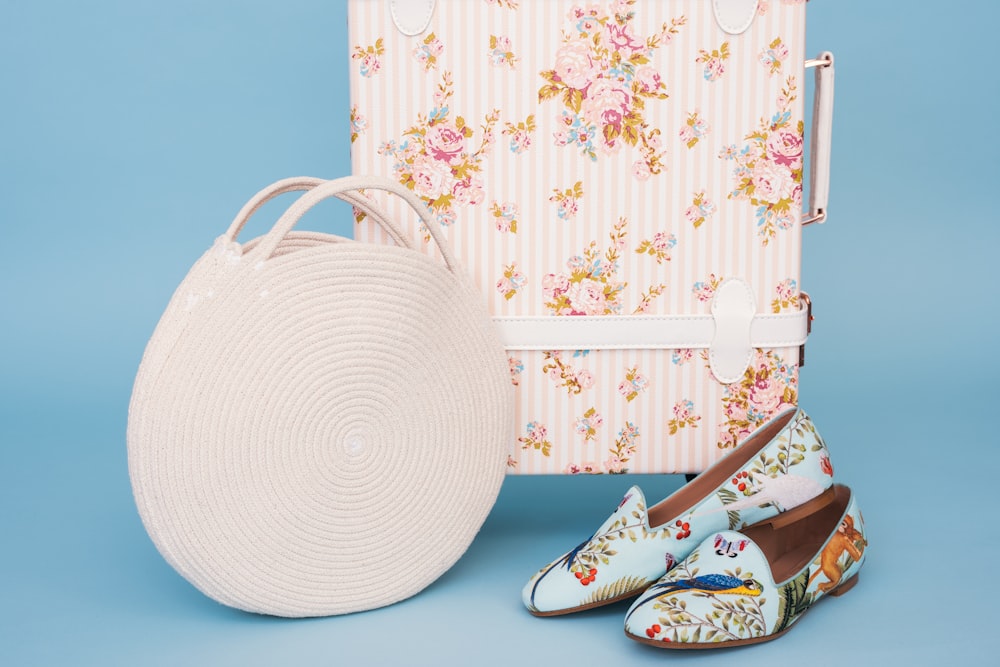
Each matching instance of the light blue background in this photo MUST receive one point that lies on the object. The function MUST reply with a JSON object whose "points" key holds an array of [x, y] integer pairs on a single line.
{"points": [[131, 133]]}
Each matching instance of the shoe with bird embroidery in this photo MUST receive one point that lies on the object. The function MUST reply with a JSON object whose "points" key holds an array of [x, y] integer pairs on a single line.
{"points": [[751, 586], [781, 465]]}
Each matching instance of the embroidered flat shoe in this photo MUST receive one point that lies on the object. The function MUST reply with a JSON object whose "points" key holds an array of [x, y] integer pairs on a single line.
{"points": [[751, 586], [781, 465]]}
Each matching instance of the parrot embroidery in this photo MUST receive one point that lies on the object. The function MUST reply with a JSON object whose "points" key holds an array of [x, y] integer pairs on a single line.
{"points": [[714, 584]]}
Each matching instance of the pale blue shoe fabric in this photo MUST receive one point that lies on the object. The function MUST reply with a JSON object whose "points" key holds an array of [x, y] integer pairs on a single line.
{"points": [[751, 586], [780, 466]]}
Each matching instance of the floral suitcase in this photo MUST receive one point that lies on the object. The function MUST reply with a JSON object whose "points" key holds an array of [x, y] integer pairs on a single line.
{"points": [[624, 182]]}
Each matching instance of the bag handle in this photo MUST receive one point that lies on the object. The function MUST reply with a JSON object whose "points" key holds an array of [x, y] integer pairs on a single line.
{"points": [[346, 189], [300, 183]]}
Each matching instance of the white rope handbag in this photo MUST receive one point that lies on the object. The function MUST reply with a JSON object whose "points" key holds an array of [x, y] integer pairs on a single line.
{"points": [[319, 426]]}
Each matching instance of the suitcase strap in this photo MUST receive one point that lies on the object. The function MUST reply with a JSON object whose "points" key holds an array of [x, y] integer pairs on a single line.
{"points": [[730, 333]]}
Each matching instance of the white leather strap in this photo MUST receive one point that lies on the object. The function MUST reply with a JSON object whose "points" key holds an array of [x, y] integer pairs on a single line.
{"points": [[733, 309], [642, 332], [730, 333], [411, 16], [734, 16], [821, 140]]}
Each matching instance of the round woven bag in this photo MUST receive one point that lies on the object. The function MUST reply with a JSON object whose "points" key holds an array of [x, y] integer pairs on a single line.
{"points": [[319, 426]]}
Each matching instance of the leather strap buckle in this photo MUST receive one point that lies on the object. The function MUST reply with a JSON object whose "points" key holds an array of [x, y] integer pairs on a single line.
{"points": [[803, 296]]}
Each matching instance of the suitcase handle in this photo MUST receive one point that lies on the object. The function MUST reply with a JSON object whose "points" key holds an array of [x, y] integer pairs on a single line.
{"points": [[822, 132]]}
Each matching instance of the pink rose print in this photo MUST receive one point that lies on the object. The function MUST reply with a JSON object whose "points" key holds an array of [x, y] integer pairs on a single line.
{"points": [[430, 177], [512, 282], [633, 384], [684, 417], [768, 387], [536, 437], [437, 158], [786, 295], [682, 356], [468, 192], [768, 168], [659, 246], [501, 52], [588, 424], [772, 182], [603, 77], [516, 368], [784, 147], [773, 55], [554, 282], [428, 52], [587, 297], [505, 216], [358, 124], [694, 129], [564, 375], [575, 65], [700, 209], [590, 288], [704, 290], [614, 465], [520, 134], [445, 142], [624, 449], [648, 78], [370, 63], [641, 170], [714, 61], [766, 392], [567, 200]]}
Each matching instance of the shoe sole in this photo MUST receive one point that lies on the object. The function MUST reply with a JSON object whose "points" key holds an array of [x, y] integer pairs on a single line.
{"points": [[593, 605], [837, 592]]}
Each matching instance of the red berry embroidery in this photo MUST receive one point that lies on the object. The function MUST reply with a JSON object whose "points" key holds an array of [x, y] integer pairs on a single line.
{"points": [[684, 529], [653, 630], [587, 578], [739, 482]]}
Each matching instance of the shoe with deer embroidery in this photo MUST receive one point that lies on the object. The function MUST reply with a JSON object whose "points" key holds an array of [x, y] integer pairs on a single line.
{"points": [[781, 465], [751, 586]]}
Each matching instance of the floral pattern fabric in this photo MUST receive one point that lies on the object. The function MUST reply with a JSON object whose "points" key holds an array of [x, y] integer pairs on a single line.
{"points": [[603, 78], [768, 170], [625, 182], [438, 159]]}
